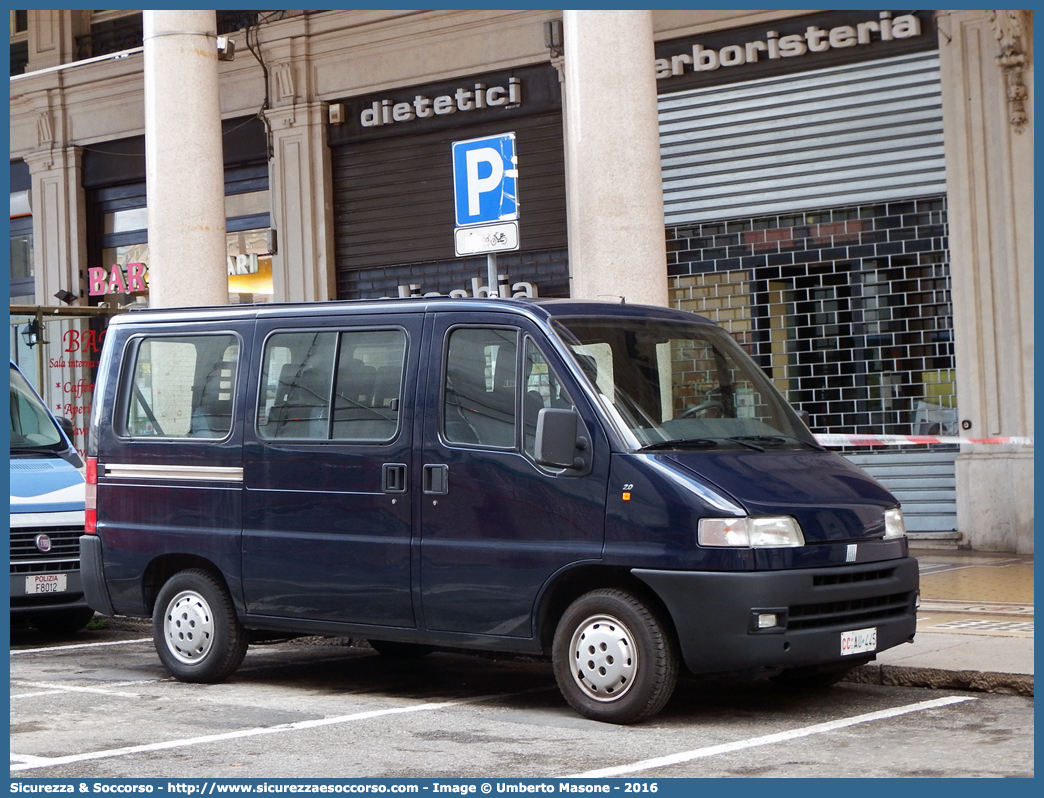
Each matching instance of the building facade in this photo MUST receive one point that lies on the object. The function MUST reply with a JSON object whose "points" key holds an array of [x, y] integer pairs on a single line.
{"points": [[848, 192]]}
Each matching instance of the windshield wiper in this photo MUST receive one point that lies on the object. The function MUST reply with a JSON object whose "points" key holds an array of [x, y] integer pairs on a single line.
{"points": [[772, 440], [678, 444], [746, 440]]}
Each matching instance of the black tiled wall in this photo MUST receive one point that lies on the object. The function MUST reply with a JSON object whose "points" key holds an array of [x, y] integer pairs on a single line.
{"points": [[865, 339]]}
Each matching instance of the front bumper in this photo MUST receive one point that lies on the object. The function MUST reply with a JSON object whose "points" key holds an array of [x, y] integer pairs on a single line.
{"points": [[24, 604], [715, 614]]}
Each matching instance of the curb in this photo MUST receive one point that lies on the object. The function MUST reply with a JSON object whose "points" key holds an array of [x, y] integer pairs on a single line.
{"points": [[937, 678]]}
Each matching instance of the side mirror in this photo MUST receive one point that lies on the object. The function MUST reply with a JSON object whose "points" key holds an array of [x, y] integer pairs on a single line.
{"points": [[67, 427], [70, 454], [561, 441], [804, 416]]}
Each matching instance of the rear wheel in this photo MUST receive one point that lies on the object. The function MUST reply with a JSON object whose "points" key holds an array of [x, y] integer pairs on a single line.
{"points": [[614, 658], [195, 629], [62, 622]]}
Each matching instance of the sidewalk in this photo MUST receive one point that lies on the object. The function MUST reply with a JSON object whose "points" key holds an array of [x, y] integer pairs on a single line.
{"points": [[974, 626]]}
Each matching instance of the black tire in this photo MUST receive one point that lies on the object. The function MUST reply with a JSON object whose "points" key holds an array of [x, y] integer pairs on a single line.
{"points": [[395, 650], [816, 677], [631, 664], [62, 622], [195, 628]]}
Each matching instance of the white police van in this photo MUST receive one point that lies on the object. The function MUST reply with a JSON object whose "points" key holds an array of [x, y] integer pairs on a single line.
{"points": [[47, 511]]}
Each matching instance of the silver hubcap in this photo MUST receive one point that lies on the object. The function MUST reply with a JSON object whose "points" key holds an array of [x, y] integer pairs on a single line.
{"points": [[188, 627], [605, 658]]}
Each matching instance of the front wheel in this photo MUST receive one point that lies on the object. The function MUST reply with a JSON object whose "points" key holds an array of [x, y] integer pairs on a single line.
{"points": [[614, 658], [195, 628]]}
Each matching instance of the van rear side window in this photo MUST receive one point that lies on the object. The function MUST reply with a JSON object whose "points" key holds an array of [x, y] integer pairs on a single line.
{"points": [[358, 374], [183, 387]]}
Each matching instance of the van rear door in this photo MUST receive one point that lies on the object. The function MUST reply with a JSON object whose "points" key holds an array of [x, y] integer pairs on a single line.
{"points": [[327, 522], [495, 525]]}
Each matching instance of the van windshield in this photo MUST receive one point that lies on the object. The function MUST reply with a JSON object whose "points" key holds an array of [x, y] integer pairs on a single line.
{"points": [[675, 384], [32, 430]]}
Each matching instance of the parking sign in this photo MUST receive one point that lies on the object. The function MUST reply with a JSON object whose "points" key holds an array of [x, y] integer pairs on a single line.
{"points": [[485, 180]]}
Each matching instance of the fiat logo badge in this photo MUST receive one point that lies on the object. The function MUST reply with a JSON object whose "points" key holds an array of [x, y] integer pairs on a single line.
{"points": [[43, 543]]}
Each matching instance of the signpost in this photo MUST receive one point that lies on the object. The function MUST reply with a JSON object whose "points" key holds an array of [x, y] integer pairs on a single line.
{"points": [[485, 199]]}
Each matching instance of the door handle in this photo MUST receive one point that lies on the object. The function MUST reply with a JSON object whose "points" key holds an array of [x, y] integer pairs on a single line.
{"points": [[394, 478], [436, 479]]}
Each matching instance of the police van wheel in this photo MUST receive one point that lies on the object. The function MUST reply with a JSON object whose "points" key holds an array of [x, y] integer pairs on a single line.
{"points": [[195, 629], [614, 658]]}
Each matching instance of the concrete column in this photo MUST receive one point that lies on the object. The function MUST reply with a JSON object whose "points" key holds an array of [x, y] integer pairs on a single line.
{"points": [[184, 168], [302, 205], [614, 190], [987, 91], [59, 222]]}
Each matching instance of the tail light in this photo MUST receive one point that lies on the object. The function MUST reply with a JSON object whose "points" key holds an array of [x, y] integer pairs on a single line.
{"points": [[90, 519]]}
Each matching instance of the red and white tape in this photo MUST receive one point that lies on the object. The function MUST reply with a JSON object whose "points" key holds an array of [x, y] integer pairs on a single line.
{"points": [[906, 440]]}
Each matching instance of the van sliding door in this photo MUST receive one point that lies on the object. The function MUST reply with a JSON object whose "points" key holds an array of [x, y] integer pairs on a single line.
{"points": [[327, 521]]}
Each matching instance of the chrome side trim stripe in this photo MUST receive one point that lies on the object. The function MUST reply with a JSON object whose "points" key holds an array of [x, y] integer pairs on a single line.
{"points": [[169, 472]]}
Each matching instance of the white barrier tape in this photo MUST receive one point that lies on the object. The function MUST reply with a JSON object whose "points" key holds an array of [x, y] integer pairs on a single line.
{"points": [[903, 440]]}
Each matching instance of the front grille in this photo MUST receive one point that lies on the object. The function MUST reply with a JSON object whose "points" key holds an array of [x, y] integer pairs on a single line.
{"points": [[849, 614], [849, 578], [63, 556]]}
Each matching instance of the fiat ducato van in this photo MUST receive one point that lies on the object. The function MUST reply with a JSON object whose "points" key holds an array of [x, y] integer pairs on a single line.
{"points": [[617, 487], [47, 515]]}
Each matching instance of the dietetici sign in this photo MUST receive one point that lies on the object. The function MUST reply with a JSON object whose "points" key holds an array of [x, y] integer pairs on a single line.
{"points": [[460, 102], [470, 98]]}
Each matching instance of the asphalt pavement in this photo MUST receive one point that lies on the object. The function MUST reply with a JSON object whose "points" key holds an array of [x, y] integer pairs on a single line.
{"points": [[974, 626]]}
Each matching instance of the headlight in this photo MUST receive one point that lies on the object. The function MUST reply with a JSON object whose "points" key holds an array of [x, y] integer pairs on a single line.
{"points": [[758, 533], [894, 526]]}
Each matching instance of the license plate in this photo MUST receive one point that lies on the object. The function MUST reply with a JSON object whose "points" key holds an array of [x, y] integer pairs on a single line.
{"points": [[46, 583], [858, 641]]}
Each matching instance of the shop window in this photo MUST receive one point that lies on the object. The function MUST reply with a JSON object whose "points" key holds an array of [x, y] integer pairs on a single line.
{"points": [[121, 275], [23, 289]]}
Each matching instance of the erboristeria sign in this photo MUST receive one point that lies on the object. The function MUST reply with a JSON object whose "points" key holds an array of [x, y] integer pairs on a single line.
{"points": [[814, 40], [800, 43]]}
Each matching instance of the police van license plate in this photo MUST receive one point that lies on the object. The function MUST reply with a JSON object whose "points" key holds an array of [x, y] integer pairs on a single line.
{"points": [[46, 583], [859, 641]]}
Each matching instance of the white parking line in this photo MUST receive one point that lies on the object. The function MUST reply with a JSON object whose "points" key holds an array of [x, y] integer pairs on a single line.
{"points": [[81, 645], [768, 739], [26, 762]]}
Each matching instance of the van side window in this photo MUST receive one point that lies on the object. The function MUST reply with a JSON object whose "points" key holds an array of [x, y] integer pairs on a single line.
{"points": [[358, 374], [369, 383], [183, 387], [542, 389], [480, 387]]}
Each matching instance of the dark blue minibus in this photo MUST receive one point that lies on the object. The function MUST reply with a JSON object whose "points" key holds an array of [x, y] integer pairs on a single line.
{"points": [[618, 487]]}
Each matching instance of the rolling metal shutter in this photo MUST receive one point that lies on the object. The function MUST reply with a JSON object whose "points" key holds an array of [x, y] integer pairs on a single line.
{"points": [[393, 197], [860, 133]]}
